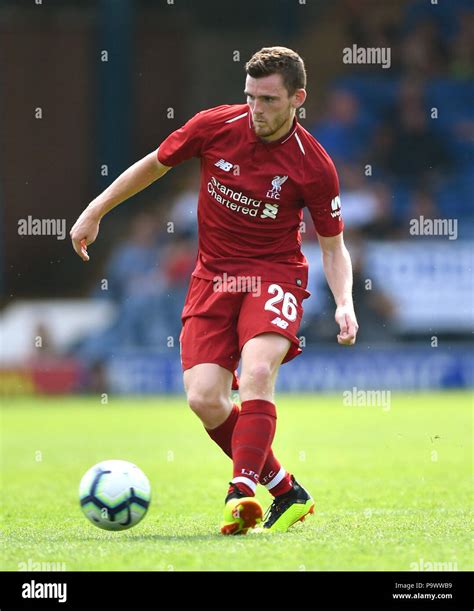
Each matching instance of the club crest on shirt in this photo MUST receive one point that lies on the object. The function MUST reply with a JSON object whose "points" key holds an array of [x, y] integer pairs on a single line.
{"points": [[274, 192]]}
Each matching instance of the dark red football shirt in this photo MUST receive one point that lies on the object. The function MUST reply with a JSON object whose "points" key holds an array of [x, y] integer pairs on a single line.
{"points": [[252, 194]]}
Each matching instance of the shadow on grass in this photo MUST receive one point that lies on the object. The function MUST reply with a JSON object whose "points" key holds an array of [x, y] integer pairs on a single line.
{"points": [[215, 536]]}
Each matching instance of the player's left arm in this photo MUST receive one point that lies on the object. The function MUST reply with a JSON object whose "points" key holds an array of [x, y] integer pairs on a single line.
{"points": [[338, 270]]}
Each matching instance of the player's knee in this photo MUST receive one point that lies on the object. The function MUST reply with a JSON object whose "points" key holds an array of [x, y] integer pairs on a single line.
{"points": [[203, 404], [256, 377]]}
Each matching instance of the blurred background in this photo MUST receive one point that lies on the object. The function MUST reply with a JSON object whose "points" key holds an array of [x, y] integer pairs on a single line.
{"points": [[89, 87]]}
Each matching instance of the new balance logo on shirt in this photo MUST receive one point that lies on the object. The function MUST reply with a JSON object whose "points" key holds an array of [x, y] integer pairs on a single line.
{"points": [[224, 165], [279, 322]]}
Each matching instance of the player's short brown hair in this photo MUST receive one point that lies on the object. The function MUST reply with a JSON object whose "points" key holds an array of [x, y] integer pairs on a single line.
{"points": [[278, 60]]}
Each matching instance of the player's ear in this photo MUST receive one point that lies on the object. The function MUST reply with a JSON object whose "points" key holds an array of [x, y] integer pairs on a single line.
{"points": [[299, 98]]}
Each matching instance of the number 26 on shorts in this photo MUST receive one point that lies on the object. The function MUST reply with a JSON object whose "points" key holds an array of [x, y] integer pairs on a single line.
{"points": [[289, 306]]}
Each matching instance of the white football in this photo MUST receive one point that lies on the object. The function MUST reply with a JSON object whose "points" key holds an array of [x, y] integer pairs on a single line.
{"points": [[114, 494]]}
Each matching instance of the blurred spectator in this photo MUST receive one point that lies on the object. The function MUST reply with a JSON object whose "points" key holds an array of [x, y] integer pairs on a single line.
{"points": [[134, 262], [344, 130], [423, 204], [374, 26], [407, 146], [179, 259], [184, 207], [365, 203], [375, 310], [149, 317], [462, 56], [424, 52], [446, 16], [149, 283]]}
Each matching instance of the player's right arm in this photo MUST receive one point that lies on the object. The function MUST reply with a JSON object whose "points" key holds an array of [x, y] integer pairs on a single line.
{"points": [[182, 144], [136, 178]]}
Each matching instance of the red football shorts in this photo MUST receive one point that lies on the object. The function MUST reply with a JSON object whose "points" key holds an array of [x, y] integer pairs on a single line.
{"points": [[217, 323]]}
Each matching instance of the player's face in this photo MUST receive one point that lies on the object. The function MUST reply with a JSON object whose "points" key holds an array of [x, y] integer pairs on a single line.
{"points": [[271, 107]]}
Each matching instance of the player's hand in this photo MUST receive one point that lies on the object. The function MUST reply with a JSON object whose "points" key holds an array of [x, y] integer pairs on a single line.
{"points": [[83, 233], [347, 321]]}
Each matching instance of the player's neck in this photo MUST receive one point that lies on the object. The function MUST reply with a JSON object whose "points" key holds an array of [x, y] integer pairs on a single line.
{"points": [[284, 129]]}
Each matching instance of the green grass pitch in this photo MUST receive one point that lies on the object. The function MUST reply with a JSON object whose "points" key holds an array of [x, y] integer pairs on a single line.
{"points": [[392, 487]]}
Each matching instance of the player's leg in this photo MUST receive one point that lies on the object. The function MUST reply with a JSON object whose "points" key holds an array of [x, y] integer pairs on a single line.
{"points": [[255, 428], [261, 359], [209, 355], [208, 389], [209, 352], [270, 351]]}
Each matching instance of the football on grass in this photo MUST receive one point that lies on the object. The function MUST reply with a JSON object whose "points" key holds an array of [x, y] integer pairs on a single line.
{"points": [[114, 494]]}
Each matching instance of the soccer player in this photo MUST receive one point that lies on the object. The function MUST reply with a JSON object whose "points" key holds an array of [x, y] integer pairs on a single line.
{"points": [[259, 169]]}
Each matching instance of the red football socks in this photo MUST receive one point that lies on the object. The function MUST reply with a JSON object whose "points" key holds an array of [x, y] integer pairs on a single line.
{"points": [[273, 476], [251, 441], [222, 434]]}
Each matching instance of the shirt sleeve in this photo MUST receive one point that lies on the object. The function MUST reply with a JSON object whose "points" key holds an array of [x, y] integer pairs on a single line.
{"points": [[321, 196], [185, 142]]}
